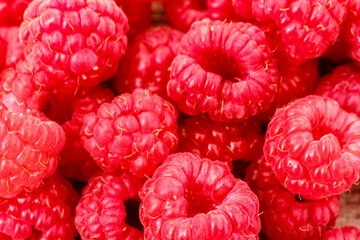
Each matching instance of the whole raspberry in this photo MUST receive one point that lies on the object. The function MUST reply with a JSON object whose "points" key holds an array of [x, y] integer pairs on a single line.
{"points": [[182, 13], [15, 49], [46, 213], [75, 162], [225, 70], [343, 233], [11, 11], [78, 43], [193, 198], [135, 132], [226, 142], [343, 85], [101, 213], [351, 29], [147, 62], [312, 146], [285, 215]]}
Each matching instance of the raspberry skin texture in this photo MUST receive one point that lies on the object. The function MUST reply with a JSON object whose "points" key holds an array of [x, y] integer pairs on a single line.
{"points": [[285, 215], [343, 233], [75, 162], [343, 85], [78, 42], [216, 73], [11, 11], [101, 212], [312, 146], [147, 61], [351, 30], [183, 13], [46, 213], [15, 49], [135, 132], [226, 142]]}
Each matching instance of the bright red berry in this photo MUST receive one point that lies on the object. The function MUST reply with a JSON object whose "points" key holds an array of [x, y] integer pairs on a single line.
{"points": [[351, 29], [15, 49], [343, 233]]}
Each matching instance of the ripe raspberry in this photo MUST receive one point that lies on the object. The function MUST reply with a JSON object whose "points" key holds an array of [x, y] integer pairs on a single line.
{"points": [[343, 85], [352, 30], [135, 132], [305, 28], [75, 162], [78, 42], [147, 62], [217, 73], [101, 212], [193, 198], [182, 13], [11, 11], [285, 215], [29, 147], [343, 233], [46, 213], [15, 49], [226, 142], [312, 146]]}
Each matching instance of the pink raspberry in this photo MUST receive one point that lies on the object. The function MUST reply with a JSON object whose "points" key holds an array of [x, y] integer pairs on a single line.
{"points": [[352, 30], [182, 13], [101, 213], [285, 215], [226, 142], [343, 85], [15, 49], [46, 213], [11, 11], [78, 43], [134, 132], [225, 70], [75, 162], [343, 233], [193, 198], [147, 62], [312, 146]]}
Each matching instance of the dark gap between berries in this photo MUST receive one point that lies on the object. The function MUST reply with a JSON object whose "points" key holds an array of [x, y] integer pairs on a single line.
{"points": [[132, 214]]}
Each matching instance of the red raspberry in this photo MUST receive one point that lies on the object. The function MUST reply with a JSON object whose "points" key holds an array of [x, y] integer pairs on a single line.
{"points": [[135, 132], [78, 42], [226, 142], [11, 11], [193, 198], [343, 233], [312, 146], [46, 213], [352, 30], [75, 162], [217, 73], [343, 85], [147, 62], [182, 13], [101, 213], [285, 215], [15, 49]]}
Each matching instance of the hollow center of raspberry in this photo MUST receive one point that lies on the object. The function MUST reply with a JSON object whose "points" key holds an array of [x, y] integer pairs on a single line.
{"points": [[198, 203], [319, 132], [132, 214]]}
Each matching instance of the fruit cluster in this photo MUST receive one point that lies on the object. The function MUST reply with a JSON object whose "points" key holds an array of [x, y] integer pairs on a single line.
{"points": [[234, 119]]}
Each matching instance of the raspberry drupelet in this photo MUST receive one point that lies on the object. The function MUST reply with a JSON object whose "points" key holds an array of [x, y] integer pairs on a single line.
{"points": [[225, 70], [135, 132], [193, 198], [343, 233], [15, 49], [147, 61], [351, 29], [101, 213], [312, 146], [11, 11], [285, 215]]}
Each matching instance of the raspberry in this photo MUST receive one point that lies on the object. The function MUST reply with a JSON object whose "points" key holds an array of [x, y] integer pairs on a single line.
{"points": [[182, 13], [352, 30], [78, 42], [343, 233], [46, 213], [285, 215], [343, 85], [135, 132], [217, 73], [75, 162], [226, 142], [193, 198], [11, 11], [101, 212], [15, 50], [147, 62], [312, 146]]}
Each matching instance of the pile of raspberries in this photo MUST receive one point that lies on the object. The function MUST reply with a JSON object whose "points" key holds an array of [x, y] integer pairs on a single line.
{"points": [[232, 120]]}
